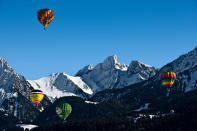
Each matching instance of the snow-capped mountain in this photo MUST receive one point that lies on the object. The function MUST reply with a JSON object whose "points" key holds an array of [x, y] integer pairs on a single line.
{"points": [[61, 84], [107, 75], [185, 68], [135, 84], [184, 62], [14, 92], [111, 74], [85, 70]]}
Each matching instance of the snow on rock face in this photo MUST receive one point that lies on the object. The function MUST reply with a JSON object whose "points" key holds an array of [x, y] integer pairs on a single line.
{"points": [[182, 63], [139, 67], [7, 79], [185, 68], [187, 79], [111, 74], [88, 81], [90, 102], [61, 84], [85, 70], [144, 71], [7, 75], [14, 93], [112, 62]]}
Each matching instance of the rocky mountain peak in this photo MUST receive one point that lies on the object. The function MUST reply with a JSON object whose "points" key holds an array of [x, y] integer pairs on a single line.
{"points": [[111, 62], [84, 70], [4, 66], [137, 66], [14, 92], [112, 74]]}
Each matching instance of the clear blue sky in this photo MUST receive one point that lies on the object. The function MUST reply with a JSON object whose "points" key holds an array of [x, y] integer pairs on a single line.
{"points": [[84, 32]]}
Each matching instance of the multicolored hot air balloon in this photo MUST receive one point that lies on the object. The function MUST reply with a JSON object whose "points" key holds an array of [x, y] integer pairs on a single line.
{"points": [[36, 97], [168, 78], [63, 110], [45, 16]]}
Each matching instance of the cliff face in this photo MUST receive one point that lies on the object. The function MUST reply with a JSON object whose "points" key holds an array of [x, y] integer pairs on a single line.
{"points": [[14, 92]]}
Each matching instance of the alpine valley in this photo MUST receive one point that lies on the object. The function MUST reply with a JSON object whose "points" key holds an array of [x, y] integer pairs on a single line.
{"points": [[131, 97]]}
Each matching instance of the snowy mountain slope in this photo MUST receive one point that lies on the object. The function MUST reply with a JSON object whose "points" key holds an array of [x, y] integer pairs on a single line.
{"points": [[185, 68], [143, 83], [85, 70], [61, 84], [187, 79], [107, 75], [111, 74], [183, 62], [14, 94]]}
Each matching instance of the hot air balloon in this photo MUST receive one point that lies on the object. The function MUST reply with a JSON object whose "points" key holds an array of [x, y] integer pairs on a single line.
{"points": [[36, 97], [168, 78], [63, 110], [45, 16]]}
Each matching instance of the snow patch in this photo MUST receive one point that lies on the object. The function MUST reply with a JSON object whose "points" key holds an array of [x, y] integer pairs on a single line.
{"points": [[15, 95], [90, 102], [26, 126], [145, 107]]}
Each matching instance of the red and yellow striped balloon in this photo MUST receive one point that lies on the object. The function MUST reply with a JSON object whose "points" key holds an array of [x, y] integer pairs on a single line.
{"points": [[36, 96], [168, 78], [45, 16]]}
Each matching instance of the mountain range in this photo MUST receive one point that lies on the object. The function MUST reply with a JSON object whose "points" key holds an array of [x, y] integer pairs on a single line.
{"points": [[109, 74], [134, 85]]}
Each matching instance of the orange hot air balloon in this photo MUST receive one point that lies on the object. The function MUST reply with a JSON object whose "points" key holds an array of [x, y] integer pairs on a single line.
{"points": [[45, 16]]}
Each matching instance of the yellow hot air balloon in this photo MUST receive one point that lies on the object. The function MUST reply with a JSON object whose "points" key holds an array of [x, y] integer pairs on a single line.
{"points": [[36, 97]]}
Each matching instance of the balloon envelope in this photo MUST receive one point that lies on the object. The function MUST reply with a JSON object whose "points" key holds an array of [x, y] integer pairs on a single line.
{"points": [[63, 110], [45, 16], [168, 78], [36, 96]]}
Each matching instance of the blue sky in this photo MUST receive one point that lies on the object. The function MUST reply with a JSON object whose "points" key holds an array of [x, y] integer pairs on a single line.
{"points": [[83, 32]]}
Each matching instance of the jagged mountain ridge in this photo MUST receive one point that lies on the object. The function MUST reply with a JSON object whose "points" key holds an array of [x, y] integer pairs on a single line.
{"points": [[15, 89], [60, 84], [152, 91], [185, 68], [111, 74], [184, 62], [14, 92], [89, 80]]}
